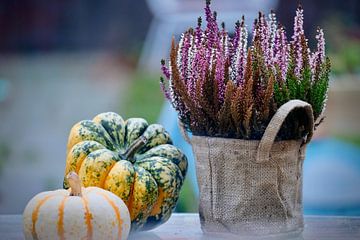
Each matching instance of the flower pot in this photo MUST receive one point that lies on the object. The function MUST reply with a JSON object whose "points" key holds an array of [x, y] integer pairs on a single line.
{"points": [[251, 187]]}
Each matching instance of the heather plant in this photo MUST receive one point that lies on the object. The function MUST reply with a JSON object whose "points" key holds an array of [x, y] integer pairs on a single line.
{"points": [[231, 86]]}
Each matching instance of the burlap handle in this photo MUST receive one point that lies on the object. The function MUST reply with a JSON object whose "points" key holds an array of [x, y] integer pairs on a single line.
{"points": [[266, 142]]}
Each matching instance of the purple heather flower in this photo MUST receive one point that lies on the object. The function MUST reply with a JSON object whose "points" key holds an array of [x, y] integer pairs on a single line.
{"points": [[191, 71], [198, 66], [190, 84], [211, 54], [164, 89], [212, 29], [235, 49], [313, 58], [198, 33], [219, 74], [185, 55], [235, 40], [296, 39], [224, 40], [240, 63], [320, 44], [165, 70], [202, 63], [263, 33], [198, 51], [208, 14], [255, 30], [318, 57], [281, 51], [179, 52], [273, 29]]}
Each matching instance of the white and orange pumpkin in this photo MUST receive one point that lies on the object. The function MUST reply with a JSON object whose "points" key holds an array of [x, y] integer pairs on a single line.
{"points": [[77, 213]]}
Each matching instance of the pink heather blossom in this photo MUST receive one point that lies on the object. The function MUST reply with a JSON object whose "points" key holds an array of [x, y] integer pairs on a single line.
{"points": [[219, 74], [164, 89], [235, 40], [273, 30], [240, 62], [318, 57], [212, 29], [254, 30], [191, 71], [185, 55], [320, 44], [281, 51], [296, 38], [264, 34], [199, 50], [165, 70], [224, 40], [198, 33], [179, 52]]}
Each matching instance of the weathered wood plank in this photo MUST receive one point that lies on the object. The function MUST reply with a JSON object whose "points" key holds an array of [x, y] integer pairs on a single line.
{"points": [[11, 227], [187, 226]]}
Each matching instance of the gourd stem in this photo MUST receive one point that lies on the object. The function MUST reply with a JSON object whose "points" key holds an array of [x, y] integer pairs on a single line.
{"points": [[75, 184], [133, 148]]}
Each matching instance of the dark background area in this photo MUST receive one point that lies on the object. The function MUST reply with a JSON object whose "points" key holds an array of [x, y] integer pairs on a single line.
{"points": [[38, 25]]}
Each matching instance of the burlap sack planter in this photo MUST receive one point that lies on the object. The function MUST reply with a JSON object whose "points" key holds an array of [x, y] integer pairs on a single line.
{"points": [[250, 187]]}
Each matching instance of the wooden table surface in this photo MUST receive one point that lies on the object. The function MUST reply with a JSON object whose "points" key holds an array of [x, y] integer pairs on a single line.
{"points": [[187, 226]]}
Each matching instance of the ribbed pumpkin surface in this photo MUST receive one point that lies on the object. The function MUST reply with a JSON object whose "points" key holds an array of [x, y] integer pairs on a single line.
{"points": [[97, 214], [132, 159]]}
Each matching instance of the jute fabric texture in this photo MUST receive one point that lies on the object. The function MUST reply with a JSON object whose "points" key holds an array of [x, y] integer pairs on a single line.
{"points": [[250, 187]]}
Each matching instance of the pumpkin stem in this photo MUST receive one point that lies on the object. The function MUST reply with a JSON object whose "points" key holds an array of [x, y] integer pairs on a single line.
{"points": [[133, 148], [75, 184]]}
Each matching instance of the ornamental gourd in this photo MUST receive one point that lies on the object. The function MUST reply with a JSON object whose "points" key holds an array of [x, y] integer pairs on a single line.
{"points": [[132, 159], [80, 213]]}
